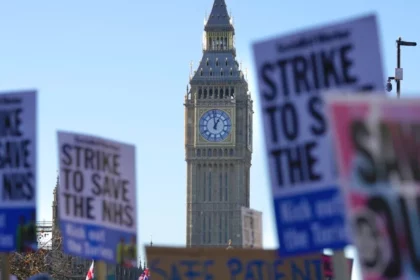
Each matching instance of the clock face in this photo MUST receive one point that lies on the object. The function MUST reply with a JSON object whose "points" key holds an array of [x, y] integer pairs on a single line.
{"points": [[215, 125]]}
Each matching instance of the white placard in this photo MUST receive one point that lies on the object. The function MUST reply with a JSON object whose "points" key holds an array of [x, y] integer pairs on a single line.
{"points": [[97, 191], [293, 72]]}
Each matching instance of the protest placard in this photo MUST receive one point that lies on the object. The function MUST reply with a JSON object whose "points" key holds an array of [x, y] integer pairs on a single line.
{"points": [[377, 142], [293, 71], [97, 191], [219, 263], [18, 171]]}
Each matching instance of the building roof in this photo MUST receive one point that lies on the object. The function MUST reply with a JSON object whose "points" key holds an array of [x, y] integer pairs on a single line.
{"points": [[219, 19], [218, 66]]}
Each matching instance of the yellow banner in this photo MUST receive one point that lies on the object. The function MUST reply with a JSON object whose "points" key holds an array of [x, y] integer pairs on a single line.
{"points": [[221, 264]]}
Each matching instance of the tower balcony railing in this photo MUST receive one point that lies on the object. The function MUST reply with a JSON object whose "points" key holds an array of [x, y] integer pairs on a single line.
{"points": [[219, 49], [218, 76]]}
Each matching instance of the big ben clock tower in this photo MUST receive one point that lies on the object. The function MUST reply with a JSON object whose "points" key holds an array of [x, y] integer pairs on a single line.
{"points": [[218, 138]]}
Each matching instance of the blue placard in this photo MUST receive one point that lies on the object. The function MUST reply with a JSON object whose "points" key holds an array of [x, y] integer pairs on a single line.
{"points": [[18, 178], [313, 220], [100, 243], [97, 195]]}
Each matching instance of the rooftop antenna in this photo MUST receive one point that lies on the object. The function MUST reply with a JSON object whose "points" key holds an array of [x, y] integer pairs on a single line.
{"points": [[151, 242]]}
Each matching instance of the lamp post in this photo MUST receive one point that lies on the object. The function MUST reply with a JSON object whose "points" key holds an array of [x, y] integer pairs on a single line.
{"points": [[399, 71]]}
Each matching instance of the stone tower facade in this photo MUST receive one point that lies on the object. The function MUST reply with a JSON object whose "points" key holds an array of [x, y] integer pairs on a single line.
{"points": [[218, 138]]}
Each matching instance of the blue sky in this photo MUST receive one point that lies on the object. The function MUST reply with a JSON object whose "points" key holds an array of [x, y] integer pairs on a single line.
{"points": [[119, 69]]}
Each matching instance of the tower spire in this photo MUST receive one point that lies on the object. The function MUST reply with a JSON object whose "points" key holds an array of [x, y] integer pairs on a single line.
{"points": [[219, 19]]}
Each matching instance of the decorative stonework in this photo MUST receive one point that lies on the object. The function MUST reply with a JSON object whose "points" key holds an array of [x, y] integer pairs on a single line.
{"points": [[217, 172]]}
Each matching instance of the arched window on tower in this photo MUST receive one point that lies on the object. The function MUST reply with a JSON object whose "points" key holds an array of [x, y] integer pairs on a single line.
{"points": [[204, 183], [220, 187], [226, 186], [221, 72], [226, 62], [225, 44], [203, 217], [199, 153], [201, 72], [217, 62], [225, 153], [207, 61], [210, 186], [200, 92], [220, 153], [211, 72], [210, 93], [231, 71], [221, 93], [220, 228], [226, 227], [231, 152], [205, 93], [209, 230], [209, 153], [216, 92], [215, 152]]}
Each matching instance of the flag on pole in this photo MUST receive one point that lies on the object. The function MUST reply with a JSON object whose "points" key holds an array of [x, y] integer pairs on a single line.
{"points": [[90, 273]]}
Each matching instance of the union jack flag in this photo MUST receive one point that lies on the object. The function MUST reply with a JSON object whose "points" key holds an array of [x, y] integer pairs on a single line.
{"points": [[90, 273]]}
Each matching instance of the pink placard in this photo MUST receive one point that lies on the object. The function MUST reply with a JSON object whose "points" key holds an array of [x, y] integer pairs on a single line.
{"points": [[377, 143]]}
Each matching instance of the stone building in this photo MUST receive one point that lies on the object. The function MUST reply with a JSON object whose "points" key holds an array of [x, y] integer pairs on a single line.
{"points": [[218, 138]]}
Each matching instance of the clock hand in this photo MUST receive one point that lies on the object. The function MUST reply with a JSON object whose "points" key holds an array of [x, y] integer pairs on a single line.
{"points": [[215, 124], [214, 120]]}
